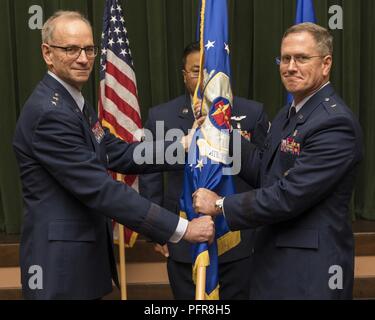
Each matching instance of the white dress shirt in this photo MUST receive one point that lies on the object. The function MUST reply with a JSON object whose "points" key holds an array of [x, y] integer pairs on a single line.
{"points": [[303, 102]]}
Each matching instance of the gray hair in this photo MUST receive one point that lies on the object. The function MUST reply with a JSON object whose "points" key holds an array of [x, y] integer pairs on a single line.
{"points": [[322, 36], [49, 25]]}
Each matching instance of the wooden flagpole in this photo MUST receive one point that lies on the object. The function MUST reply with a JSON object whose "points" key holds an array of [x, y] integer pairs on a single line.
{"points": [[122, 262], [200, 288]]}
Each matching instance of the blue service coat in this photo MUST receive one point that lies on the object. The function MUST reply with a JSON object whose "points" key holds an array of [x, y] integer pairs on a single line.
{"points": [[69, 198], [304, 179]]}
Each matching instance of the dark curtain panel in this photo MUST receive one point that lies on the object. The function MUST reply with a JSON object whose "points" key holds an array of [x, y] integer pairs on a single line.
{"points": [[158, 31]]}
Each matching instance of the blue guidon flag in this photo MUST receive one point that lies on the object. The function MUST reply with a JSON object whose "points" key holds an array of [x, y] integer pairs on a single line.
{"points": [[209, 161], [304, 13]]}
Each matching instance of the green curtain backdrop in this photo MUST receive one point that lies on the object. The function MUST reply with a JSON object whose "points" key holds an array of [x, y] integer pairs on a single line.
{"points": [[158, 31]]}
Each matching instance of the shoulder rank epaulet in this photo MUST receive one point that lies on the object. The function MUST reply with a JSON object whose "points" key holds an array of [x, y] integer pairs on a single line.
{"points": [[331, 105], [55, 99]]}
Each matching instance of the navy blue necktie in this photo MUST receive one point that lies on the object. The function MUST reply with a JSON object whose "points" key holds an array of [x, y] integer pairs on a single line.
{"points": [[291, 114], [86, 113]]}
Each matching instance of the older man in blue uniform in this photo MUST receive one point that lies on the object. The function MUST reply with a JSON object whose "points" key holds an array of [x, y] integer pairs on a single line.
{"points": [[250, 118], [63, 153], [303, 248]]}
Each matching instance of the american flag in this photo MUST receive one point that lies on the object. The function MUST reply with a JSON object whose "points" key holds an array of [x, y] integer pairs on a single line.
{"points": [[118, 97]]}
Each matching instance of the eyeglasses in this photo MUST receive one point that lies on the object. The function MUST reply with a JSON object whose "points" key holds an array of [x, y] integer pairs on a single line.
{"points": [[192, 74], [298, 59], [75, 51]]}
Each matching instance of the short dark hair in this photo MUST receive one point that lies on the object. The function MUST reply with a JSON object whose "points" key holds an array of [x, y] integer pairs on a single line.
{"points": [[190, 48]]}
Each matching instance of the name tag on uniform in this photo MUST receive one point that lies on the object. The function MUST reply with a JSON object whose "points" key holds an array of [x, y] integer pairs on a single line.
{"points": [[289, 145], [98, 132]]}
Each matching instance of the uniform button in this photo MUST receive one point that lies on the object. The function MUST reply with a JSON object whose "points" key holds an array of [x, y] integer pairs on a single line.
{"points": [[252, 250]]}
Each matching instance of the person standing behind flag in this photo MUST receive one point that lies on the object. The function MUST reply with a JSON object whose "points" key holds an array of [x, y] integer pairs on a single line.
{"points": [[63, 155], [303, 248], [250, 118]]}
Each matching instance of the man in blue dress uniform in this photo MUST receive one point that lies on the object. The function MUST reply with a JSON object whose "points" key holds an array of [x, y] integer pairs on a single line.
{"points": [[66, 249], [304, 178]]}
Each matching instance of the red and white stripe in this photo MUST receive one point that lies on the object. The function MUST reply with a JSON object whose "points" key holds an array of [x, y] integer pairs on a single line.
{"points": [[119, 109]]}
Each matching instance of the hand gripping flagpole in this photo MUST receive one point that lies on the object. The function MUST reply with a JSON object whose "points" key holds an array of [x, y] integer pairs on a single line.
{"points": [[210, 149], [200, 286]]}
